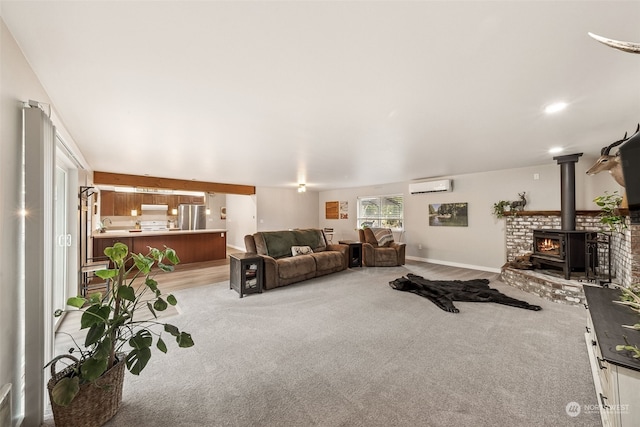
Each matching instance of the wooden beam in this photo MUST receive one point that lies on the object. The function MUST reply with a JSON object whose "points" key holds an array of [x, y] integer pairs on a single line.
{"points": [[124, 180]]}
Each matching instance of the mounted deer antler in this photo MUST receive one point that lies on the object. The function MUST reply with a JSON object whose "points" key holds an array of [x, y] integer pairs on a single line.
{"points": [[623, 46], [606, 162]]}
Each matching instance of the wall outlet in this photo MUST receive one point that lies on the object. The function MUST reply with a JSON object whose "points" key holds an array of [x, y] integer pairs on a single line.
{"points": [[419, 245]]}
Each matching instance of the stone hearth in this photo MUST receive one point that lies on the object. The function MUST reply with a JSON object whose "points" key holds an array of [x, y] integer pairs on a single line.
{"points": [[625, 255], [548, 286]]}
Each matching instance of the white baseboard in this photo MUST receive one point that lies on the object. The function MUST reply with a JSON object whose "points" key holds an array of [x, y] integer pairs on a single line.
{"points": [[455, 264]]}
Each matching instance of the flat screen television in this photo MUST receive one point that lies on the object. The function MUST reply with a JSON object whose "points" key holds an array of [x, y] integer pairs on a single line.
{"points": [[630, 158]]}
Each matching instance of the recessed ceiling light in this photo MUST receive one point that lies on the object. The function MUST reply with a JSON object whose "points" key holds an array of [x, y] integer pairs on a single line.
{"points": [[555, 107], [555, 150]]}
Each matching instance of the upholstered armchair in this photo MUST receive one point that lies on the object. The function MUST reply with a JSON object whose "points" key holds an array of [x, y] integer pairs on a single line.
{"points": [[379, 249]]}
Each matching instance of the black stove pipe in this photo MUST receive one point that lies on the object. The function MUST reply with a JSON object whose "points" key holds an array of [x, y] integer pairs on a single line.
{"points": [[568, 190]]}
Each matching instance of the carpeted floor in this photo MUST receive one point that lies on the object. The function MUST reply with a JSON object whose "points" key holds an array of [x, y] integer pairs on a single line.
{"points": [[348, 350]]}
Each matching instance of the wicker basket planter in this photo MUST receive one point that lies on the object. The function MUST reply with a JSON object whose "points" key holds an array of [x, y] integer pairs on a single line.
{"points": [[91, 395], [96, 403]]}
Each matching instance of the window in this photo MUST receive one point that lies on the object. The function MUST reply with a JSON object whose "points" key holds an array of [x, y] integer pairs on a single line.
{"points": [[381, 212]]}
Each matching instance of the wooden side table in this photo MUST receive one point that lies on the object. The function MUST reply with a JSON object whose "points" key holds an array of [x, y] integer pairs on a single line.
{"points": [[355, 252], [247, 273]]}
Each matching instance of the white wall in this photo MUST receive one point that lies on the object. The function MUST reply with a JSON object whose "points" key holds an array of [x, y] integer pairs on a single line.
{"points": [[241, 219], [214, 202], [481, 245], [18, 84], [282, 209], [269, 209]]}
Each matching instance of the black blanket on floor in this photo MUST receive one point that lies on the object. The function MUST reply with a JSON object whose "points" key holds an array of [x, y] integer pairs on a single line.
{"points": [[443, 292]]}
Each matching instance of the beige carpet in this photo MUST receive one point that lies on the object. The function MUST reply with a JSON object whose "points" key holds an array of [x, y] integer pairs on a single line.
{"points": [[347, 350]]}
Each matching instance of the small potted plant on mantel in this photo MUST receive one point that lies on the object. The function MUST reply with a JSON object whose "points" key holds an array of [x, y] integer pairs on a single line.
{"points": [[500, 207], [89, 391]]}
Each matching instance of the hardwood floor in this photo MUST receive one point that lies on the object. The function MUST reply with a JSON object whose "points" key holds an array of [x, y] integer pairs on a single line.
{"points": [[446, 272], [205, 273], [185, 275], [195, 274]]}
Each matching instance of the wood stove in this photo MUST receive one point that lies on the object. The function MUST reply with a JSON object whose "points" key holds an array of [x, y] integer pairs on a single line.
{"points": [[565, 248], [560, 248]]}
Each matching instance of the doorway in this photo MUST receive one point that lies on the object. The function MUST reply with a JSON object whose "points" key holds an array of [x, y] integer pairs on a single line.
{"points": [[65, 225]]}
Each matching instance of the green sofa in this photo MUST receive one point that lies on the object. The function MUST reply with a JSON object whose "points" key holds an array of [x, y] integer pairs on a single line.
{"points": [[282, 268]]}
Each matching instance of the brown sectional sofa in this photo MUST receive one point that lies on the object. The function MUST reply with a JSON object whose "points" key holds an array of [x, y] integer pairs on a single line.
{"points": [[281, 268]]}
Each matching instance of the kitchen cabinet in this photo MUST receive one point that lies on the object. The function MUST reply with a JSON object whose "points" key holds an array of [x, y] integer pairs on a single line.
{"points": [[99, 245], [191, 200], [191, 246], [106, 203], [160, 199], [122, 204], [145, 199], [115, 203]]}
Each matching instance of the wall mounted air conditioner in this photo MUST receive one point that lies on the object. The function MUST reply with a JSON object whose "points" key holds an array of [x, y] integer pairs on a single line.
{"points": [[431, 186]]}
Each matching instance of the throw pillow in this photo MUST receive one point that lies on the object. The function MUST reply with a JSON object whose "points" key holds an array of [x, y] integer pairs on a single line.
{"points": [[383, 236], [300, 250]]}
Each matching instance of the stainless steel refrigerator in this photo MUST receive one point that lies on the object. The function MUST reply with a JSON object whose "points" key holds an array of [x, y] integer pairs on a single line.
{"points": [[192, 217]]}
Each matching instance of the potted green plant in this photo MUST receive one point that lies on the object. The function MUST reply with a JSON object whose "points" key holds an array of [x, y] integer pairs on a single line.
{"points": [[115, 338], [500, 207], [610, 211]]}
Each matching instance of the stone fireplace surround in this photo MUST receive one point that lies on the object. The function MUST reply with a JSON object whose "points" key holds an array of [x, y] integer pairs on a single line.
{"points": [[519, 226]]}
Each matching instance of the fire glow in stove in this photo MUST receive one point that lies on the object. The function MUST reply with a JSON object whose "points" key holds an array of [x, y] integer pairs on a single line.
{"points": [[563, 249]]}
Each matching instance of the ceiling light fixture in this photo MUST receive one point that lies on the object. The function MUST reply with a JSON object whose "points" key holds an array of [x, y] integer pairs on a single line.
{"points": [[555, 150], [301, 188], [555, 107]]}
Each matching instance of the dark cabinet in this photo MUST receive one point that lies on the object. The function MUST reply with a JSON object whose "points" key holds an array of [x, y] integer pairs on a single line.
{"points": [[355, 252], [246, 273]]}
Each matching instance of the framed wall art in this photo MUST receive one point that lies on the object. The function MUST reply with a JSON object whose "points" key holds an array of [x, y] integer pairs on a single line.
{"points": [[331, 210], [448, 215], [344, 210]]}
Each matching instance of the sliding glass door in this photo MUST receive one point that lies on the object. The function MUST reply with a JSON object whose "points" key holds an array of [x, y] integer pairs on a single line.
{"points": [[62, 239]]}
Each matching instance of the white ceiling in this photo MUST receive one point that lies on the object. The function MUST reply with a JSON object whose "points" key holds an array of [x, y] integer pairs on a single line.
{"points": [[334, 94]]}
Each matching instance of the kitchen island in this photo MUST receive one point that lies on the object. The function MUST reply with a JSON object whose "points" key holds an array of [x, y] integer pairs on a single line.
{"points": [[190, 245]]}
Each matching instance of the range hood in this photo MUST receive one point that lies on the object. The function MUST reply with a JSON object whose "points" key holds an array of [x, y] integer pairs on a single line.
{"points": [[154, 207]]}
